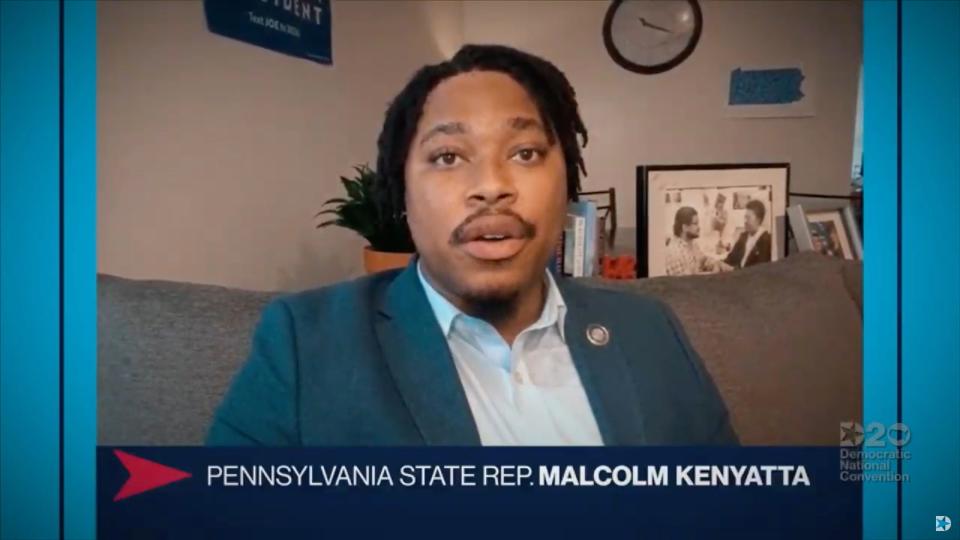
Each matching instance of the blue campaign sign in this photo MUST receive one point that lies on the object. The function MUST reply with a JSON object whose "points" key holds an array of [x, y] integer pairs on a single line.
{"points": [[765, 86], [296, 27], [655, 492]]}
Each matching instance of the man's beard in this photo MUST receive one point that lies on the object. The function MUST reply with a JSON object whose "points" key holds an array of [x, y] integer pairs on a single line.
{"points": [[492, 303], [492, 306]]}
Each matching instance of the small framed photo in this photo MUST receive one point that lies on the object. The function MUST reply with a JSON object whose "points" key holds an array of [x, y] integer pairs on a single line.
{"points": [[704, 219], [833, 233]]}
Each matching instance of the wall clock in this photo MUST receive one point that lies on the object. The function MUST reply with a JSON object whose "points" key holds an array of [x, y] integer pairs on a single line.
{"points": [[652, 36]]}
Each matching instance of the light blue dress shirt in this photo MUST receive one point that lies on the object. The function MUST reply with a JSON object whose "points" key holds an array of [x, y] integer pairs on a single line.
{"points": [[529, 394]]}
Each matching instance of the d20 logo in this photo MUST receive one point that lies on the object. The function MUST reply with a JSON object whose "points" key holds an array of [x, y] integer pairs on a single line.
{"points": [[874, 434]]}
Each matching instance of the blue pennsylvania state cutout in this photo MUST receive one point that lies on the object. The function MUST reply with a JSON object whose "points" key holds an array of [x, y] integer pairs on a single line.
{"points": [[766, 86], [299, 28]]}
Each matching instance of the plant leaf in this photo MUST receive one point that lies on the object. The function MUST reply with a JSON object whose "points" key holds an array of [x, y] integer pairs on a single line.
{"points": [[359, 211], [340, 200], [353, 188]]}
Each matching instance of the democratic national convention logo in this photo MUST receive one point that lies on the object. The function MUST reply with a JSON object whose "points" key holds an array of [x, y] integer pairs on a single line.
{"points": [[943, 524]]}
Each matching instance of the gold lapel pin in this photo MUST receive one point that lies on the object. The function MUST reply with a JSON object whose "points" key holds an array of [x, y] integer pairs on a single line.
{"points": [[598, 334]]}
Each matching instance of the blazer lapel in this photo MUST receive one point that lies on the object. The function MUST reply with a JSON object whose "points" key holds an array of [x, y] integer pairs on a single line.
{"points": [[420, 362], [603, 369]]}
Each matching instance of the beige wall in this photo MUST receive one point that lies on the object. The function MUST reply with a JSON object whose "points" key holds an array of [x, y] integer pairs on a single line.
{"points": [[679, 116], [214, 154]]}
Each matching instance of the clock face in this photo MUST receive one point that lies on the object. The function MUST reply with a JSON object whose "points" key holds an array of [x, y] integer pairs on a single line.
{"points": [[652, 36]]}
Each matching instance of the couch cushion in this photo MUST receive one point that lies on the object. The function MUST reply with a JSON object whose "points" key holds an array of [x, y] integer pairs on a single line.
{"points": [[166, 353], [782, 341]]}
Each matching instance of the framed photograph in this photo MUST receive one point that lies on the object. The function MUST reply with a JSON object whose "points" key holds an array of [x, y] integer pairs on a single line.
{"points": [[704, 219], [833, 233]]}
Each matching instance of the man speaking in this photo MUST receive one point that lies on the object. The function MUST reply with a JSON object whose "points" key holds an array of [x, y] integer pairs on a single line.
{"points": [[475, 342]]}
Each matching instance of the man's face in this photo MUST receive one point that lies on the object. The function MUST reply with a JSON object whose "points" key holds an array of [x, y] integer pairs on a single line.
{"points": [[692, 230], [750, 221], [817, 244], [486, 191]]}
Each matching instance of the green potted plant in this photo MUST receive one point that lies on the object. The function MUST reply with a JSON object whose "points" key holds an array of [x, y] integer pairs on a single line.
{"points": [[391, 245]]}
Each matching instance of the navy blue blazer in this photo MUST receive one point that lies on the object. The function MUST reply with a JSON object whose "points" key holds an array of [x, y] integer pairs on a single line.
{"points": [[759, 254], [365, 363]]}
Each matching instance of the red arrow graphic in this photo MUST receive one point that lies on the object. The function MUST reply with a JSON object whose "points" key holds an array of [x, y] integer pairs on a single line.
{"points": [[145, 475]]}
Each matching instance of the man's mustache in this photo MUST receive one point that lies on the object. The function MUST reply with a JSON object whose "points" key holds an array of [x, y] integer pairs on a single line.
{"points": [[458, 236]]}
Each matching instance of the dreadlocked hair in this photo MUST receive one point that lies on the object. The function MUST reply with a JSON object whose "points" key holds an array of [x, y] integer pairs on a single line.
{"points": [[547, 86]]}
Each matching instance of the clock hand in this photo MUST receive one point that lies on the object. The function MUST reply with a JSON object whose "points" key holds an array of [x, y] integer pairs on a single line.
{"points": [[655, 27]]}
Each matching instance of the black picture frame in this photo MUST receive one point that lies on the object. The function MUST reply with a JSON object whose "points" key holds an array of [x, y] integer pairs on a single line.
{"points": [[626, 64], [643, 213]]}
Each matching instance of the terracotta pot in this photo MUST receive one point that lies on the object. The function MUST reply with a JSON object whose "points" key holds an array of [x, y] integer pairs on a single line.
{"points": [[378, 261]]}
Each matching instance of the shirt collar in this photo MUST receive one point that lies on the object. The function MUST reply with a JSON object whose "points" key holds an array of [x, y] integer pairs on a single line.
{"points": [[553, 313]]}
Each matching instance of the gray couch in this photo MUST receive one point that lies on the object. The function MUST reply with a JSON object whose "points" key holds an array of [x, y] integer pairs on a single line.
{"points": [[782, 341]]}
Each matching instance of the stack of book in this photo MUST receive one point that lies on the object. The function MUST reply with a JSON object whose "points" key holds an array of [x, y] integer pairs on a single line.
{"points": [[581, 246]]}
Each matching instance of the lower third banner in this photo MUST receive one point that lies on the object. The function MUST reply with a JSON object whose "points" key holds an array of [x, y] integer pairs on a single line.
{"points": [[657, 492]]}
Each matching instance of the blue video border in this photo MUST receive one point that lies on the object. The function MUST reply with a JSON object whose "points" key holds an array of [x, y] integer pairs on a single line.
{"points": [[930, 264], [80, 267], [30, 260], [880, 266], [48, 278], [48, 254], [911, 269]]}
